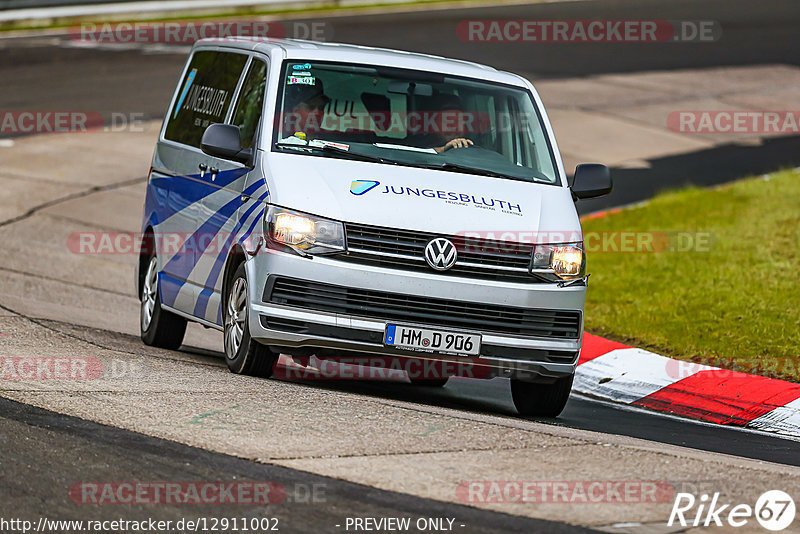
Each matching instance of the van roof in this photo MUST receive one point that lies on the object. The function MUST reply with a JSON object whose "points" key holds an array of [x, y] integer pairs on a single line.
{"points": [[325, 51]]}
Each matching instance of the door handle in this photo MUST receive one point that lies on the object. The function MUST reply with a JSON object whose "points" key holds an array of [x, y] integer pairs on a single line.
{"points": [[203, 168]]}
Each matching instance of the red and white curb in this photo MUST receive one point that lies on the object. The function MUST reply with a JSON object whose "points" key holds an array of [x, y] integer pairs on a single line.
{"points": [[619, 373]]}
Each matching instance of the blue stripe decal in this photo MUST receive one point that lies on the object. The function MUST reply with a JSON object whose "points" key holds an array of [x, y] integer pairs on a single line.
{"points": [[203, 297], [186, 85], [219, 308], [168, 288], [167, 195], [202, 301], [208, 227]]}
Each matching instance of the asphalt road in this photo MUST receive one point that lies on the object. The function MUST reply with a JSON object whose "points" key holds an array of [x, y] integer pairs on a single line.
{"points": [[42, 70], [587, 414], [68, 450], [52, 72]]}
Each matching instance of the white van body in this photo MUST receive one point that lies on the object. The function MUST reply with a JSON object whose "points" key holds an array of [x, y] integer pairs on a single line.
{"points": [[402, 270]]}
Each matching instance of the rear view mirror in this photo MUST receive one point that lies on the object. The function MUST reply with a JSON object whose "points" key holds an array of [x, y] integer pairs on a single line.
{"points": [[222, 141], [591, 180], [407, 88]]}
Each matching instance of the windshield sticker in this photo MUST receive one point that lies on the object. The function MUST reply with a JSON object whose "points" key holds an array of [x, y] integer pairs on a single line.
{"points": [[307, 80], [449, 197], [304, 66], [320, 143], [405, 147]]}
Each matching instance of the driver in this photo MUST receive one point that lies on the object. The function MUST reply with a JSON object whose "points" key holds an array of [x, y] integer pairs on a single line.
{"points": [[306, 107], [449, 104]]}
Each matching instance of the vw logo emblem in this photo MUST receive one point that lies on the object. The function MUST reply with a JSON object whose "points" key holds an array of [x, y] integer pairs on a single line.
{"points": [[440, 253]]}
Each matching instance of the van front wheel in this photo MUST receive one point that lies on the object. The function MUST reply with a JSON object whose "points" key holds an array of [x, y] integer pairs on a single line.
{"points": [[243, 354], [544, 400]]}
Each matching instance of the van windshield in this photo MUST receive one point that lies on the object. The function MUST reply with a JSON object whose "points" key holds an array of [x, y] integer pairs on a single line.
{"points": [[413, 118]]}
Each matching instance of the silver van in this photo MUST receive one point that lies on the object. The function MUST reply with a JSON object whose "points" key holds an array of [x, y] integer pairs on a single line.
{"points": [[328, 201]]}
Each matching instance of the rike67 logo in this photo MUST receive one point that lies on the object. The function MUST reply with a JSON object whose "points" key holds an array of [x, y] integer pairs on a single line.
{"points": [[774, 510]]}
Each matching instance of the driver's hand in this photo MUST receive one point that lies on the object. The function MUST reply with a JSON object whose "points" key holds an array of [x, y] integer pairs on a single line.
{"points": [[458, 142]]}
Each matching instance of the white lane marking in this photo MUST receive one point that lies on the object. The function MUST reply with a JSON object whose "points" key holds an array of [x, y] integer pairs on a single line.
{"points": [[646, 411], [147, 48], [626, 375], [784, 420]]}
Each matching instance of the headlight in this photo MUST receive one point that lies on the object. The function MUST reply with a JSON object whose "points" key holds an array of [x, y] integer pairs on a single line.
{"points": [[566, 261], [304, 232]]}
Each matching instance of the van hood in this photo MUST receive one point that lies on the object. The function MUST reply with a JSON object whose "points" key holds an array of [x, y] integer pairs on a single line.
{"points": [[443, 202]]}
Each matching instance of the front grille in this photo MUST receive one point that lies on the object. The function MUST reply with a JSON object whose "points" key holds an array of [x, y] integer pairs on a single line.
{"points": [[423, 310], [405, 249]]}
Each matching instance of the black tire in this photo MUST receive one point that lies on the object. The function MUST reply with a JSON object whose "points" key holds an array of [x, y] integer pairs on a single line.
{"points": [[544, 400], [250, 357], [429, 382], [164, 329]]}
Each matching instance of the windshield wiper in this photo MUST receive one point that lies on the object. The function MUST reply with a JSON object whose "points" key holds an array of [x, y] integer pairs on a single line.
{"points": [[444, 166], [356, 155], [471, 170], [338, 151]]}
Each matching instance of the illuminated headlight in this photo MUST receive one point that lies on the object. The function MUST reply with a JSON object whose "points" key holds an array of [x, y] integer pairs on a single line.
{"points": [[304, 232], [566, 261]]}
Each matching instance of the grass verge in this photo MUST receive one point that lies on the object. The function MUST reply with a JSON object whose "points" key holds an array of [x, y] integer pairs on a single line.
{"points": [[723, 285]]}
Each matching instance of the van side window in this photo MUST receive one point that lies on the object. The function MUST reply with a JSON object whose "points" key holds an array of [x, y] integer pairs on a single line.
{"points": [[204, 95], [251, 101]]}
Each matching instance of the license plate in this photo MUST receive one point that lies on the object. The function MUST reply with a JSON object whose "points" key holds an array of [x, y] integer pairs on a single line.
{"points": [[432, 340]]}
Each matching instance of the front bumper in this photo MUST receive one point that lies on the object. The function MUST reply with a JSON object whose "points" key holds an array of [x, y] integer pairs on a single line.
{"points": [[502, 354]]}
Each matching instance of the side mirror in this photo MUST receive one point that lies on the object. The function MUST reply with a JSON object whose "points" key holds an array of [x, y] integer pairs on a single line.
{"points": [[591, 180], [222, 141]]}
